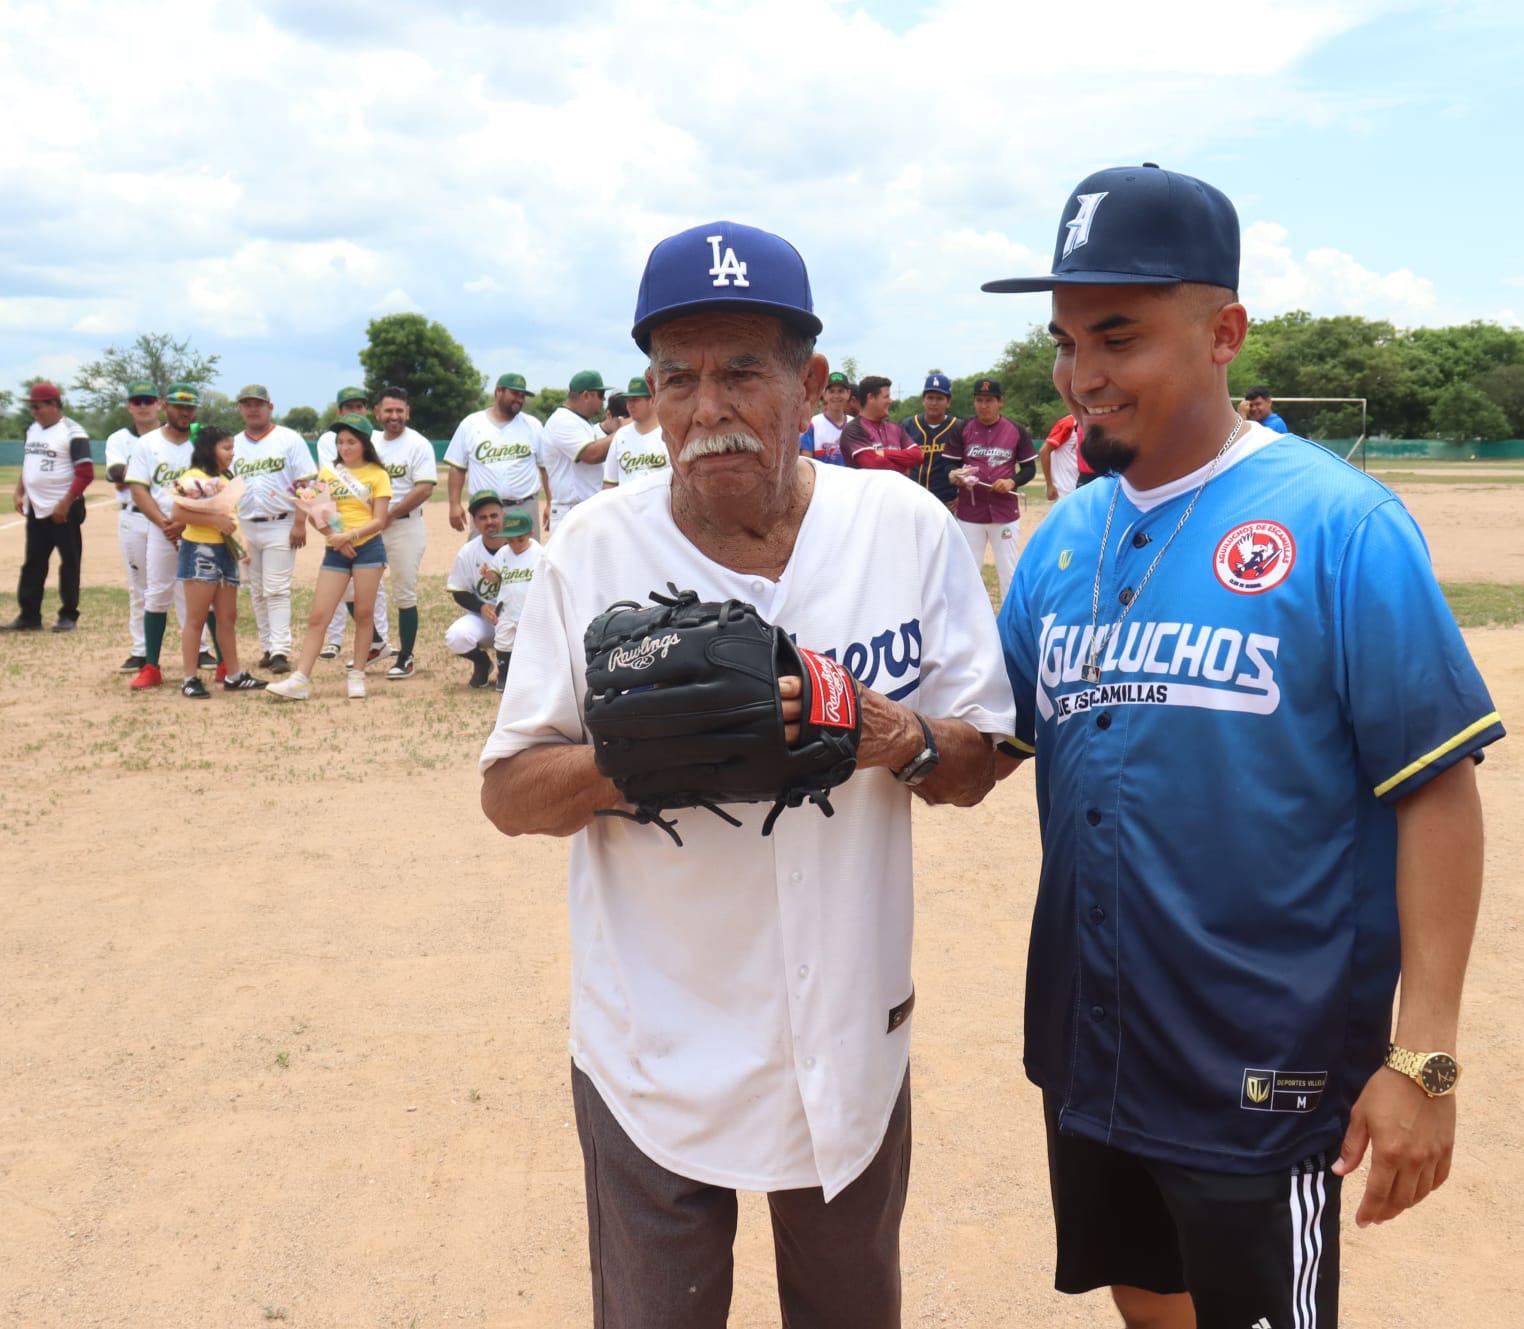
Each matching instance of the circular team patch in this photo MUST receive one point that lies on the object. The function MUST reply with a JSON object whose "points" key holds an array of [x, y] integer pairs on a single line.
{"points": [[1254, 557]]}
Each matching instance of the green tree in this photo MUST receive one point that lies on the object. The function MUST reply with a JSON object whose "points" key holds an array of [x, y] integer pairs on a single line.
{"points": [[303, 419], [1463, 412], [156, 356], [1504, 387], [544, 402], [217, 408], [410, 351]]}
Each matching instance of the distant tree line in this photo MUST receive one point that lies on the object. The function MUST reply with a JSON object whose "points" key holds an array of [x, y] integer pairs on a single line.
{"points": [[1462, 383]]}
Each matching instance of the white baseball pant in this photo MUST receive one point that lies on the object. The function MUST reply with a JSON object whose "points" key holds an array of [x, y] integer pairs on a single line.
{"points": [[468, 632], [406, 539], [161, 586], [271, 563], [1004, 537], [132, 530]]}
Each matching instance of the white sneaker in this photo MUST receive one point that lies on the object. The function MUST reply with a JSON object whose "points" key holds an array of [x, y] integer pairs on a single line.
{"points": [[296, 688], [330, 651], [356, 685]]}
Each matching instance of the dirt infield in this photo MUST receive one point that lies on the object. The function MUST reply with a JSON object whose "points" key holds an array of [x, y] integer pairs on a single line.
{"points": [[321, 1079]]}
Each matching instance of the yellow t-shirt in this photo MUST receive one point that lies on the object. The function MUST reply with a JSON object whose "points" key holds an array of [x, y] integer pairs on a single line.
{"points": [[354, 512], [205, 535]]}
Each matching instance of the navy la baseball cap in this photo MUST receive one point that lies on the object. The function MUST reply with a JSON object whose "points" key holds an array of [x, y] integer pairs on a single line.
{"points": [[723, 266], [1140, 226], [938, 383]]}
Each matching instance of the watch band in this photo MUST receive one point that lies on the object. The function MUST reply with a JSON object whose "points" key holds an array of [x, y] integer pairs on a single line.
{"points": [[920, 765], [1405, 1062]]}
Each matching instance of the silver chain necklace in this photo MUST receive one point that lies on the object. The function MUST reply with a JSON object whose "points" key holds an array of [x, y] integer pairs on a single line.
{"points": [[1091, 672]]}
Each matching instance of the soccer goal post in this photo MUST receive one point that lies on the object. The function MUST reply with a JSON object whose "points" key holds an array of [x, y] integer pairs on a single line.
{"points": [[1359, 444]]}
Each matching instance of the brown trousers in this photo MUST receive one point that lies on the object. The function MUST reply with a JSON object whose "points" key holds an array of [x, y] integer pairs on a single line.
{"points": [[661, 1244]]}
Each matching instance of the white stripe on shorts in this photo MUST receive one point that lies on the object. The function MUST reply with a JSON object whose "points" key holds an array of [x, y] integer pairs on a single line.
{"points": [[1308, 1198]]}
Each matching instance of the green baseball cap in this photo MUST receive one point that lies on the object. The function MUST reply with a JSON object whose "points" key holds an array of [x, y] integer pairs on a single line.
{"points": [[517, 522], [481, 498], [836, 376], [513, 382], [637, 388], [182, 394], [350, 394], [254, 392], [356, 424], [142, 388], [588, 380]]}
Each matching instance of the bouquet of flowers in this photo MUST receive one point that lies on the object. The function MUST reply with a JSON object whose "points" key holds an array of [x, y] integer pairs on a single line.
{"points": [[213, 503], [315, 499]]}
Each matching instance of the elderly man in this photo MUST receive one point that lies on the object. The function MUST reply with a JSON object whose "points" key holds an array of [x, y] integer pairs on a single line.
{"points": [[740, 1009], [497, 450], [132, 525], [873, 442], [55, 472], [574, 447]]}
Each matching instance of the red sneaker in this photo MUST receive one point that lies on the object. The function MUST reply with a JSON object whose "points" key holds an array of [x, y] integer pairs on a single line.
{"points": [[221, 674], [146, 677]]}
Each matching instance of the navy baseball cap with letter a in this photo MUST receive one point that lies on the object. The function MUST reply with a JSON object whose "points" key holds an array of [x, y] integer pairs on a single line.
{"points": [[723, 266], [1140, 226]]}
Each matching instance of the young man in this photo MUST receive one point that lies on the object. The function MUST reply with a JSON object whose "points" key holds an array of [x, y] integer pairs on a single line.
{"points": [[873, 442], [350, 401], [1256, 729], [991, 458], [132, 525], [825, 428], [638, 451], [55, 472], [409, 460], [271, 460], [574, 447], [158, 459], [489, 580], [934, 430], [498, 449], [1258, 406]]}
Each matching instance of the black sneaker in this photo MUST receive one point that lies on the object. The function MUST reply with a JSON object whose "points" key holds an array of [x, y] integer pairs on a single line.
{"points": [[502, 680], [264, 661], [22, 625], [243, 681], [133, 663], [194, 688], [278, 665], [481, 668], [65, 625], [206, 660]]}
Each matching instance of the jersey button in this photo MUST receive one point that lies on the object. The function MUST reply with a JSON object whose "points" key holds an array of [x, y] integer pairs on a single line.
{"points": [[1126, 596], [809, 1063], [1097, 914], [1103, 720], [1097, 1012], [1140, 539], [804, 971], [1093, 816]]}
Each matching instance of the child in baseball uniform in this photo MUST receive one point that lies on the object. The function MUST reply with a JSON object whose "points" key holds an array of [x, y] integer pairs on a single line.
{"points": [[489, 580]]}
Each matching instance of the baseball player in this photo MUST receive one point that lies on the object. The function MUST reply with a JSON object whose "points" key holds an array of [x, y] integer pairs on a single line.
{"points": [[497, 449], [991, 458], [158, 459], [1060, 460], [872, 441], [271, 460], [350, 401], [574, 448], [1259, 406], [638, 451], [933, 430], [55, 472], [408, 458], [132, 525], [489, 580], [1255, 726], [825, 428], [740, 1009]]}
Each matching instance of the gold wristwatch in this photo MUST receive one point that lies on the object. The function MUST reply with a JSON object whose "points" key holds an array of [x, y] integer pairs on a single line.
{"points": [[1434, 1072]]}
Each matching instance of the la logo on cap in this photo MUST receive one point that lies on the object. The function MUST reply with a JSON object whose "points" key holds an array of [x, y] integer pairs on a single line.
{"points": [[729, 270]]}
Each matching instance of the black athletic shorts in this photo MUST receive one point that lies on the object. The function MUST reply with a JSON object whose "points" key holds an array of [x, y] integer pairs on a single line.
{"points": [[1254, 1252]]}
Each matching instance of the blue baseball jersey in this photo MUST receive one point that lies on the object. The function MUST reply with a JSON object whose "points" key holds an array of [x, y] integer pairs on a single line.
{"points": [[1274, 421], [1215, 942]]}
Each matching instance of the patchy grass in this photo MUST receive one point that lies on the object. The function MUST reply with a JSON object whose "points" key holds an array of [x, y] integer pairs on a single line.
{"points": [[1482, 480], [1482, 604]]}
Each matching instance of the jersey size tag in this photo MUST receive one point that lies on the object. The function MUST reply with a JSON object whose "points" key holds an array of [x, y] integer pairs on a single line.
{"points": [[833, 699], [901, 1013], [1282, 1091]]}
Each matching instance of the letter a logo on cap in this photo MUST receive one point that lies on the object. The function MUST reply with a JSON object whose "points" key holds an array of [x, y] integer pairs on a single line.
{"points": [[727, 271], [1079, 228]]}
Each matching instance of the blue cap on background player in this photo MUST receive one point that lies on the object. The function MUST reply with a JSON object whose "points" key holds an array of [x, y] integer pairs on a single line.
{"points": [[1140, 226], [938, 383], [723, 265]]}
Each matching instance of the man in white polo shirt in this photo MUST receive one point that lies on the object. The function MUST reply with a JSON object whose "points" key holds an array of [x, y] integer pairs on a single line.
{"points": [[638, 451], [271, 460], [740, 1005], [574, 447], [499, 450]]}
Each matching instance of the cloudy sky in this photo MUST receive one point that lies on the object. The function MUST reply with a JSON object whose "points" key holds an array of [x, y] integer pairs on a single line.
{"points": [[266, 177]]}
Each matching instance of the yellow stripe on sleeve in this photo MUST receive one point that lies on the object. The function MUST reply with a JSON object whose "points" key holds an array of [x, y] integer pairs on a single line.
{"points": [[1429, 758]]}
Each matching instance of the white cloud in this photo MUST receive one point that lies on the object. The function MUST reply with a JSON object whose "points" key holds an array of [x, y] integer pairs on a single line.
{"points": [[1325, 281]]}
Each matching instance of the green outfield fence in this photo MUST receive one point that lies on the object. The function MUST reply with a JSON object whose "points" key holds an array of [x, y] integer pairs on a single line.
{"points": [[1376, 449]]}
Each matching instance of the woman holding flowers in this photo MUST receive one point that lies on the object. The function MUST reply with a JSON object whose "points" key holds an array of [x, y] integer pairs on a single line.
{"points": [[348, 508], [206, 497]]}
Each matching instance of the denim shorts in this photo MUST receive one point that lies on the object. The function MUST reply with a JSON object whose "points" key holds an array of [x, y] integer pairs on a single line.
{"points": [[372, 554], [211, 563]]}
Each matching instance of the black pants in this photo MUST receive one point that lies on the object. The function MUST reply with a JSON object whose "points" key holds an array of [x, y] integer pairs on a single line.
{"points": [[43, 536]]}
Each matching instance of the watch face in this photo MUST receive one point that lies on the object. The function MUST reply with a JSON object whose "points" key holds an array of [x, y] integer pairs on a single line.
{"points": [[1439, 1073]]}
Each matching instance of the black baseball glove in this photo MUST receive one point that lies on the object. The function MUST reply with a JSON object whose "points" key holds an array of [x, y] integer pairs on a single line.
{"points": [[683, 708]]}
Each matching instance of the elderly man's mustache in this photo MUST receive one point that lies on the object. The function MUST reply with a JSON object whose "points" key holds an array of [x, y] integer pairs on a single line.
{"points": [[715, 444]]}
